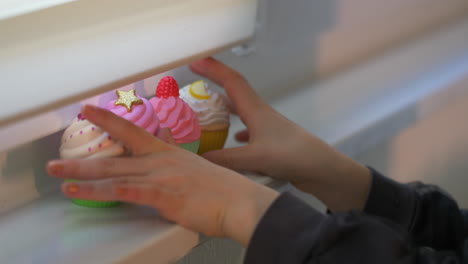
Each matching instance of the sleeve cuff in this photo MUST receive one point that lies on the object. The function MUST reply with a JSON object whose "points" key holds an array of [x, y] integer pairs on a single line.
{"points": [[279, 236], [391, 200]]}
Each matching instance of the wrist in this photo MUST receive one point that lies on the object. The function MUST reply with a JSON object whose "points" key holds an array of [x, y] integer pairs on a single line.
{"points": [[244, 214], [354, 181], [347, 186], [341, 183]]}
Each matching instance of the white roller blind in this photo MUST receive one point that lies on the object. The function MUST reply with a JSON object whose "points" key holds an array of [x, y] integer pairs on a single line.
{"points": [[11, 8], [57, 52]]}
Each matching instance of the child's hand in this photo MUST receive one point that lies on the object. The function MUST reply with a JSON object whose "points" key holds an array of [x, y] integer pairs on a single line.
{"points": [[184, 187], [279, 148]]}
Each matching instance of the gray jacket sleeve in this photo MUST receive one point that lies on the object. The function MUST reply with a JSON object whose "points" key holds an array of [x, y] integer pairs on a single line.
{"points": [[413, 223]]}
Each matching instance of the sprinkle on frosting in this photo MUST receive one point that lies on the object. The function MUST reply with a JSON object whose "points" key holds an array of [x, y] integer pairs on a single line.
{"points": [[80, 117]]}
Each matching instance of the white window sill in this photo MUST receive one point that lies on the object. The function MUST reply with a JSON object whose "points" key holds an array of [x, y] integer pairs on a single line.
{"points": [[53, 230]]}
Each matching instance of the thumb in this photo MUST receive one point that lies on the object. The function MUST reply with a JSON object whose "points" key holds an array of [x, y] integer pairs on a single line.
{"points": [[165, 135], [243, 97], [242, 136], [240, 158]]}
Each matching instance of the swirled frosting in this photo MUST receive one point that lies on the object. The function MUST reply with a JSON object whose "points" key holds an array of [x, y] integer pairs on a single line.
{"points": [[84, 140], [141, 115], [176, 115], [210, 110]]}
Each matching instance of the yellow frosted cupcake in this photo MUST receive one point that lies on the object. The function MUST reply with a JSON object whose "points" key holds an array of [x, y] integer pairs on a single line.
{"points": [[212, 112]]}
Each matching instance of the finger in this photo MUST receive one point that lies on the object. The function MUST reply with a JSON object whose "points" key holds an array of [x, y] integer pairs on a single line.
{"points": [[138, 140], [165, 135], [240, 158], [97, 168], [228, 103], [242, 136], [98, 190], [243, 97], [139, 193], [152, 195]]}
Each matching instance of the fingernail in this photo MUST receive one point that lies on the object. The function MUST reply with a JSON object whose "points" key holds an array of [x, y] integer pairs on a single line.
{"points": [[72, 188], [120, 191], [56, 168], [88, 110], [200, 64]]}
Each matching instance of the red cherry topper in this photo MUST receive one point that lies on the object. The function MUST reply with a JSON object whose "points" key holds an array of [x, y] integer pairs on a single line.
{"points": [[167, 87]]}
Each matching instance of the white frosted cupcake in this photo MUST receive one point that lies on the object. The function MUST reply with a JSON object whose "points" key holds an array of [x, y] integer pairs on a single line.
{"points": [[212, 113], [84, 140]]}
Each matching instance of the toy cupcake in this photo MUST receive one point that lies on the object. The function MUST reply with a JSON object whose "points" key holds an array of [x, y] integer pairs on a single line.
{"points": [[84, 140], [176, 115], [212, 112], [136, 109]]}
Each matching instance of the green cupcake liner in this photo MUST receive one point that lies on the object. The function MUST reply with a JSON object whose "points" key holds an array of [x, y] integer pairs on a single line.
{"points": [[191, 146], [93, 204]]}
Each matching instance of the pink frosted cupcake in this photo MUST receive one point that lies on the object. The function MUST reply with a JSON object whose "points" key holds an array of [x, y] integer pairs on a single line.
{"points": [[176, 115], [135, 109]]}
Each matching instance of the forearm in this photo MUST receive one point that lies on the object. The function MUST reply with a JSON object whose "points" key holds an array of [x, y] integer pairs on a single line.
{"points": [[344, 184], [345, 187]]}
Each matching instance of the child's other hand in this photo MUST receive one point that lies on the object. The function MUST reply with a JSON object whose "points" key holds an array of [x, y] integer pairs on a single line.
{"points": [[184, 187], [279, 148]]}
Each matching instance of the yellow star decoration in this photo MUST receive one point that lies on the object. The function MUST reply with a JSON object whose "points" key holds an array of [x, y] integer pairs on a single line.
{"points": [[127, 99]]}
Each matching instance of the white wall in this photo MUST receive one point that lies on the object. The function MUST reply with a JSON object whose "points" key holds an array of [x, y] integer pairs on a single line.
{"points": [[298, 41], [434, 150]]}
